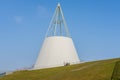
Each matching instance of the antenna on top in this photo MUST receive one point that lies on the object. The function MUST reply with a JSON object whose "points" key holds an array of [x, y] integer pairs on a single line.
{"points": [[58, 26], [58, 4]]}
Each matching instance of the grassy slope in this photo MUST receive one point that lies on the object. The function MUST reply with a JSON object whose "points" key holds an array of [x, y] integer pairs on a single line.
{"points": [[97, 70]]}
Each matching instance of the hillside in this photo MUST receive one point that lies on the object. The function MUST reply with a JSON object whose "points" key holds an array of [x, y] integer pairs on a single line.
{"points": [[96, 70]]}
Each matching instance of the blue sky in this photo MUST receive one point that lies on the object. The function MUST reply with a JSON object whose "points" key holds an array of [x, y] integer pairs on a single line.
{"points": [[93, 24]]}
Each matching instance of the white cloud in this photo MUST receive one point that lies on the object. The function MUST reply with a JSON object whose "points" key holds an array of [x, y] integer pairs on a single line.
{"points": [[42, 11], [18, 19]]}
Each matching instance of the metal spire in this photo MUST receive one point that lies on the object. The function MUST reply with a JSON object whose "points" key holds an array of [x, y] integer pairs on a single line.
{"points": [[58, 4], [58, 26]]}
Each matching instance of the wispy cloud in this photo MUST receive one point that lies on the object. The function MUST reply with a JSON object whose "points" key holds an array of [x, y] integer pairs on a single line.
{"points": [[42, 11], [18, 19]]}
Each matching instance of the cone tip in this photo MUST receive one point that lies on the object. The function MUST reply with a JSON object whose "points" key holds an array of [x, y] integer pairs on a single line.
{"points": [[58, 4]]}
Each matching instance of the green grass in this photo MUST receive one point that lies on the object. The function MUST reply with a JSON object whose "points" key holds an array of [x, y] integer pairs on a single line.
{"points": [[96, 70], [116, 72]]}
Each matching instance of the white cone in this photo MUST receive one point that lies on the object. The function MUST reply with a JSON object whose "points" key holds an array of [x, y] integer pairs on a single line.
{"points": [[56, 51]]}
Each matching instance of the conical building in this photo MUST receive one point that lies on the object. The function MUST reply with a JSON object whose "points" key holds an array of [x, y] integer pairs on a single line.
{"points": [[58, 48]]}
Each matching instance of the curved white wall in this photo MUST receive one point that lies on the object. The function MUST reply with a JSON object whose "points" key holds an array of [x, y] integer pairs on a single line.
{"points": [[56, 51]]}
